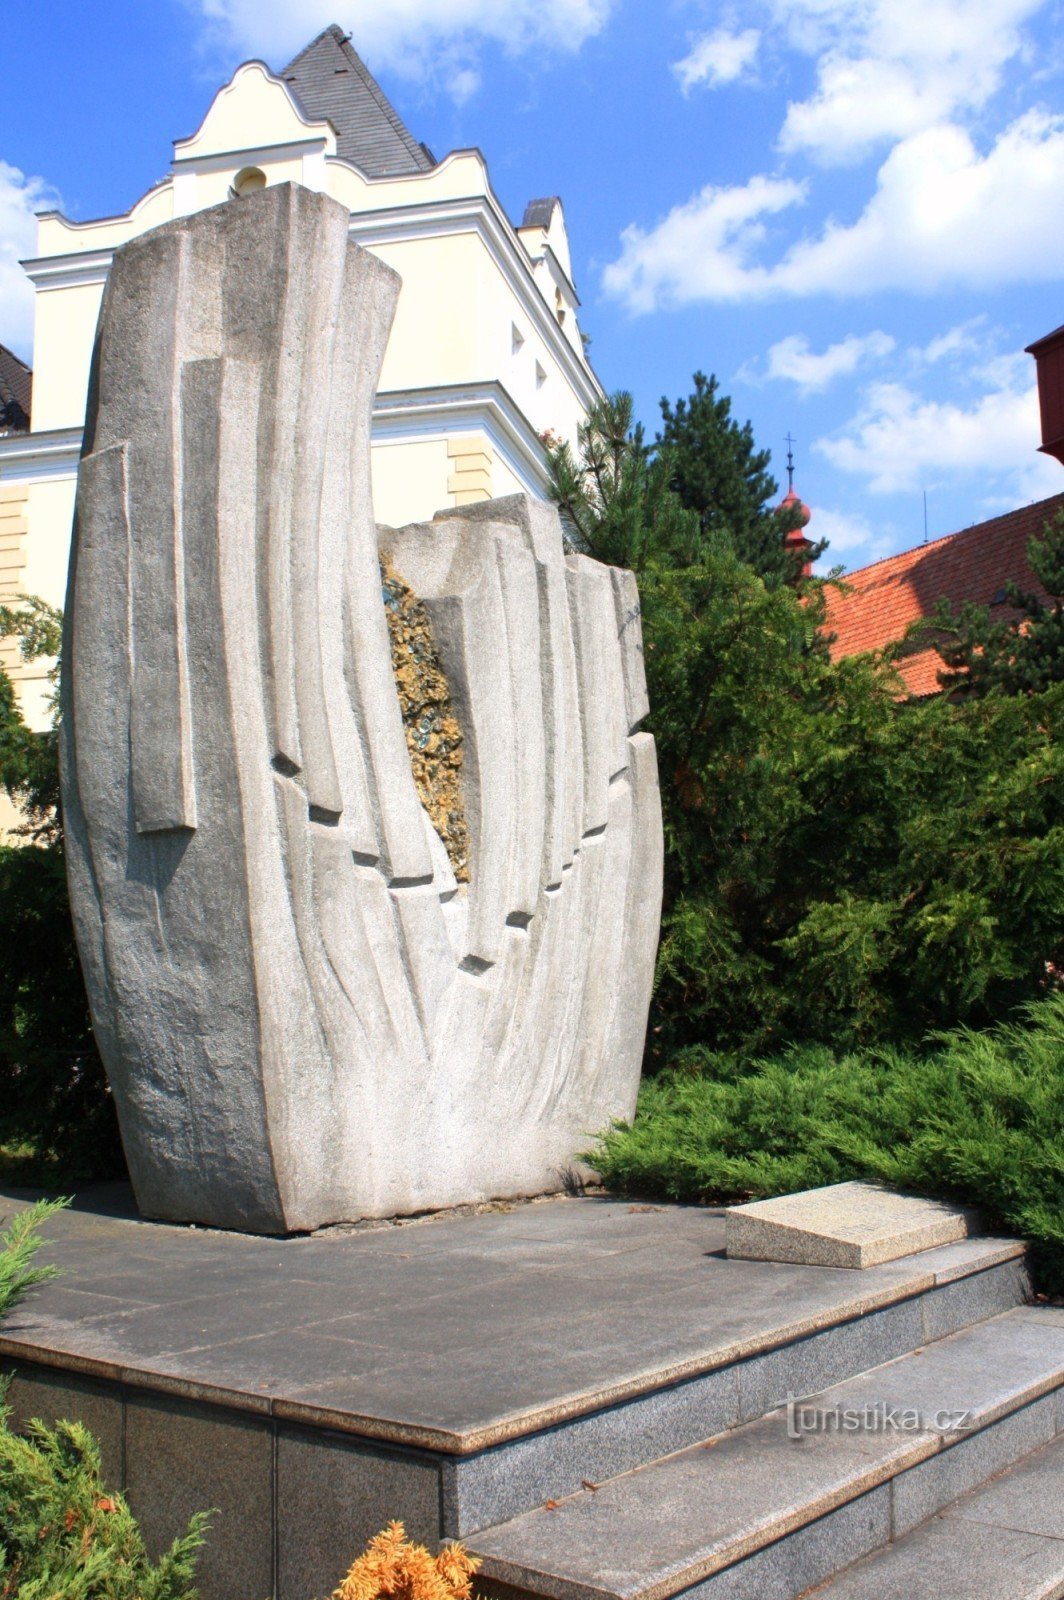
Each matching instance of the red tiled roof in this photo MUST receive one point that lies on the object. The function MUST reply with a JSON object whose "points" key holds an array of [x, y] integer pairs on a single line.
{"points": [[881, 601]]}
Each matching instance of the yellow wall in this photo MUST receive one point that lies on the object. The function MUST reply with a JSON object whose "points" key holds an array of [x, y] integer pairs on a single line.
{"points": [[51, 518], [13, 526], [62, 353], [395, 465]]}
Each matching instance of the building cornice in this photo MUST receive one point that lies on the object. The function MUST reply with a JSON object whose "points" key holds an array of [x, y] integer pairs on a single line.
{"points": [[223, 160], [69, 271], [479, 214], [53, 454], [401, 414], [397, 414]]}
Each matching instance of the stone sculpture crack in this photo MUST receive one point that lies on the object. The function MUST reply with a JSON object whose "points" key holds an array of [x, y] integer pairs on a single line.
{"points": [[305, 1018]]}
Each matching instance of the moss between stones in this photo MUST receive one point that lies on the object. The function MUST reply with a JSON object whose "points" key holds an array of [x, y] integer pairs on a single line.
{"points": [[433, 734]]}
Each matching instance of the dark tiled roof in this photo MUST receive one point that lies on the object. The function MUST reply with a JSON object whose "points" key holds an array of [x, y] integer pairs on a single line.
{"points": [[882, 600], [330, 80], [16, 385], [539, 212]]}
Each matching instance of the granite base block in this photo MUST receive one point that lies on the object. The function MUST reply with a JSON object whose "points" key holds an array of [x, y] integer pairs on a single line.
{"points": [[333, 1495], [182, 1458], [852, 1225]]}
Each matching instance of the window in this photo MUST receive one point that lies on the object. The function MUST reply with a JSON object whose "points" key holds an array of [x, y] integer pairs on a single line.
{"points": [[248, 179]]}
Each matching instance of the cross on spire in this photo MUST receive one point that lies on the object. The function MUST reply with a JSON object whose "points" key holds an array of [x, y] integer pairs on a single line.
{"points": [[790, 464]]}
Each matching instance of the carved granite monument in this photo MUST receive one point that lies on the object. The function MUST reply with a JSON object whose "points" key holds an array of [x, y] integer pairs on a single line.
{"points": [[366, 883]]}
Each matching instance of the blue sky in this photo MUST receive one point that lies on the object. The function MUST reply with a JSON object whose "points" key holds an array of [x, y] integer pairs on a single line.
{"points": [[852, 211]]}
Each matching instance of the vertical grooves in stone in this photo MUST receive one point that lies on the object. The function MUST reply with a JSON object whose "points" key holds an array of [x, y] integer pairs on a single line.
{"points": [[303, 1018]]}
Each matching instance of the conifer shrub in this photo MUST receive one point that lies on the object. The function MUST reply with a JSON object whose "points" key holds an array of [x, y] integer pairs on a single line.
{"points": [[392, 1568], [63, 1534], [19, 1245], [978, 1118]]}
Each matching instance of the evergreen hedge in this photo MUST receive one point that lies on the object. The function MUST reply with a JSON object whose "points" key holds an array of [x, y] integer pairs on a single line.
{"points": [[979, 1119]]}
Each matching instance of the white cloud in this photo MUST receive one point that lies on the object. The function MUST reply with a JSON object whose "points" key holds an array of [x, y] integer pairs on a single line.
{"points": [[887, 69], [900, 441], [719, 57], [942, 215], [966, 339], [701, 251], [20, 198], [848, 537], [791, 358], [409, 36]]}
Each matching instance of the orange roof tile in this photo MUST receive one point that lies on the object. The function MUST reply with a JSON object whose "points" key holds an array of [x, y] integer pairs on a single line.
{"points": [[881, 601]]}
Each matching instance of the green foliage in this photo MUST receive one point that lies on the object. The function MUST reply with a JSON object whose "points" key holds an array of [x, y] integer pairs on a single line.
{"points": [[29, 760], [615, 499], [54, 1100], [1022, 654], [718, 473], [841, 866], [53, 1091], [19, 1245], [62, 1533], [979, 1120]]}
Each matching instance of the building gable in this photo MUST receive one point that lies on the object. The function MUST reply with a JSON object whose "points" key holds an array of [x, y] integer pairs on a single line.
{"points": [[254, 110]]}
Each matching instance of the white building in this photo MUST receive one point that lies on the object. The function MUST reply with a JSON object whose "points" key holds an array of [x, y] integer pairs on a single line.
{"points": [[485, 354]]}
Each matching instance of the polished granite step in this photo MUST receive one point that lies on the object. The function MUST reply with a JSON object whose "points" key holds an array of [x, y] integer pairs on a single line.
{"points": [[840, 1470], [1004, 1541]]}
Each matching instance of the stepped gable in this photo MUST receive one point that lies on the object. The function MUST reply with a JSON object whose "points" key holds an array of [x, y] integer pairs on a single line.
{"points": [[880, 601], [331, 81], [16, 384]]}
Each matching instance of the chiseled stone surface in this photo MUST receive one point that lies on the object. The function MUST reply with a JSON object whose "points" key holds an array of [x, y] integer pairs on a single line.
{"points": [[842, 1225], [304, 1016]]}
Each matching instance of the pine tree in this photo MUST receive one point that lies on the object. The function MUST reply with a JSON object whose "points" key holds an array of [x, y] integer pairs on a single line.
{"points": [[615, 497], [718, 472]]}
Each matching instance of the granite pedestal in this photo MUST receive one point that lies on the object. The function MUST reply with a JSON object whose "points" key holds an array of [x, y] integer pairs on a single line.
{"points": [[454, 1373]]}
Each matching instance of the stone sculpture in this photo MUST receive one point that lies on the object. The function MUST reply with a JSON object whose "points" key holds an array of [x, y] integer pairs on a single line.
{"points": [[305, 1015]]}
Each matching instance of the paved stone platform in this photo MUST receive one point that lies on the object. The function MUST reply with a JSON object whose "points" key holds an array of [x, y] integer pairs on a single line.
{"points": [[451, 1372]]}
